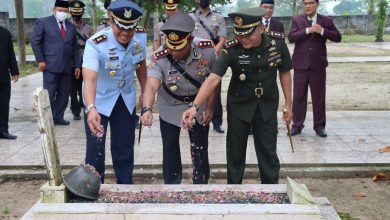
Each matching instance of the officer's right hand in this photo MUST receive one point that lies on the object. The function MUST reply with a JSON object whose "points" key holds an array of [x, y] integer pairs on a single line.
{"points": [[94, 122], [147, 118], [42, 66], [188, 117]]}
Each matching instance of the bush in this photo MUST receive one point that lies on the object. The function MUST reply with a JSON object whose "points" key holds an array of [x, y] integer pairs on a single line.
{"points": [[349, 31]]}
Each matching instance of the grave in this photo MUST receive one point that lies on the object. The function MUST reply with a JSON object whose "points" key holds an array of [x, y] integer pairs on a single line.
{"points": [[278, 201]]}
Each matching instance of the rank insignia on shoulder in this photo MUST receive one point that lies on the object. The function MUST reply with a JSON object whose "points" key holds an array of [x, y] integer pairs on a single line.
{"points": [[276, 34], [205, 44], [140, 29], [160, 54], [99, 39], [231, 43]]}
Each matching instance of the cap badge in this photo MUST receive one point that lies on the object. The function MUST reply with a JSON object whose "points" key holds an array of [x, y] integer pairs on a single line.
{"points": [[170, 1], [76, 5], [128, 13], [238, 21], [173, 36]]}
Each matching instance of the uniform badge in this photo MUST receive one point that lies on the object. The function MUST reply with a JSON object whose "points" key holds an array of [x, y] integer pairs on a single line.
{"points": [[238, 21], [112, 73], [99, 39], [214, 18], [242, 77], [178, 78], [173, 88], [202, 63], [137, 48]]}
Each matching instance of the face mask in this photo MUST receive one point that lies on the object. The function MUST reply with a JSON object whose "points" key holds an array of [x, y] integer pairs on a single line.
{"points": [[204, 3], [77, 17], [61, 16]]}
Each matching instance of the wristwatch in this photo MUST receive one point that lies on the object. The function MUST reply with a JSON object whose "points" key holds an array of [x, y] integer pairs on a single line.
{"points": [[145, 109], [89, 107], [192, 104]]}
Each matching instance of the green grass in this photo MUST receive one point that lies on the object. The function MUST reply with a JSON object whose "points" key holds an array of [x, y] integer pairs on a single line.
{"points": [[28, 49], [346, 216], [32, 67], [362, 38]]}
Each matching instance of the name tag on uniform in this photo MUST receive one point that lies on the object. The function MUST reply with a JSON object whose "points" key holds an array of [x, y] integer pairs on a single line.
{"points": [[172, 72], [114, 58], [121, 83]]}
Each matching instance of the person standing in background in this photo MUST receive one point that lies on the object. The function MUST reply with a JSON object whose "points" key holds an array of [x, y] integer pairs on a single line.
{"points": [[54, 42], [310, 32], [8, 71], [84, 31], [171, 8], [210, 24], [111, 57], [271, 25], [104, 24]]}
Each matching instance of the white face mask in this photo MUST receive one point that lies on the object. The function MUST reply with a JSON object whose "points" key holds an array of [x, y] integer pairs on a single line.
{"points": [[61, 16]]}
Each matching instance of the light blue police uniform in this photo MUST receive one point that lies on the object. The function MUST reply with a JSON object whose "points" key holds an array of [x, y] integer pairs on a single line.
{"points": [[115, 90]]}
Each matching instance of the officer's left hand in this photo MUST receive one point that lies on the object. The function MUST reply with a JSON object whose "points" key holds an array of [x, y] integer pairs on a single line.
{"points": [[147, 118], [15, 78], [77, 72], [207, 116], [188, 117]]}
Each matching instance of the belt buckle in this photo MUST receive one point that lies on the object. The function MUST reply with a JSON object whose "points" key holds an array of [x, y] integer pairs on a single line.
{"points": [[259, 92], [121, 83], [186, 100]]}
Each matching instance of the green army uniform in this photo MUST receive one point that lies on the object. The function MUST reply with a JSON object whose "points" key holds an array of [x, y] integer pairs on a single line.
{"points": [[252, 100]]}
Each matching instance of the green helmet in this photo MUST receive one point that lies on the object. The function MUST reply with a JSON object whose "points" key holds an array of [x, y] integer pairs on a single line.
{"points": [[83, 181]]}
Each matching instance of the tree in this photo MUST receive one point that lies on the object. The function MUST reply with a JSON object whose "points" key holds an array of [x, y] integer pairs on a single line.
{"points": [[350, 7], [380, 20], [370, 7], [21, 40]]}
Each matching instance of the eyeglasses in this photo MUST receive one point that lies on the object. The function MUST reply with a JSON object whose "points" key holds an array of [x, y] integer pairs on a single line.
{"points": [[307, 4]]}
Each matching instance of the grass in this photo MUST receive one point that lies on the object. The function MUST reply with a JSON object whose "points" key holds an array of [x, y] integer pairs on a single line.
{"points": [[32, 67], [362, 38], [6, 210], [29, 50], [346, 216]]}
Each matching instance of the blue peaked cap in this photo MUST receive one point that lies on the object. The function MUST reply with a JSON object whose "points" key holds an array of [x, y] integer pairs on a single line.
{"points": [[125, 14]]}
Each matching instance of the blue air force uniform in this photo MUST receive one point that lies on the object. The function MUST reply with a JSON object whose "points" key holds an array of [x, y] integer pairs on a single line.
{"points": [[115, 99]]}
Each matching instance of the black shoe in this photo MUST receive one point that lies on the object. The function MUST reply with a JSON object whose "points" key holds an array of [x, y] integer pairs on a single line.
{"points": [[322, 133], [219, 129], [77, 117], [295, 131], [61, 122], [8, 136]]}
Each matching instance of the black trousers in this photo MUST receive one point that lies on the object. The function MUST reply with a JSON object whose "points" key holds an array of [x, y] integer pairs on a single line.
{"points": [[5, 96], [172, 167], [76, 94], [265, 137], [122, 125], [218, 110]]}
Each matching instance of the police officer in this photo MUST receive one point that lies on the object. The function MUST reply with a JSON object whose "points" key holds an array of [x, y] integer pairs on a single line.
{"points": [[171, 8], [84, 31], [104, 24], [110, 59], [253, 95], [176, 72], [210, 24]]}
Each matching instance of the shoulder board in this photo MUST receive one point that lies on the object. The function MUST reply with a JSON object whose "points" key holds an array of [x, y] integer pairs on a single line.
{"points": [[160, 54], [99, 39], [206, 44], [217, 11], [276, 34], [231, 43], [140, 29]]}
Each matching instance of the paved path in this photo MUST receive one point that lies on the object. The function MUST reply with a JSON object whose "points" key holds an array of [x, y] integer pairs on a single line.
{"points": [[351, 147]]}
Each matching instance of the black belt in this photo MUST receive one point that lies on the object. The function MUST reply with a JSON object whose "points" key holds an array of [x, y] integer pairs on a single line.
{"points": [[185, 99]]}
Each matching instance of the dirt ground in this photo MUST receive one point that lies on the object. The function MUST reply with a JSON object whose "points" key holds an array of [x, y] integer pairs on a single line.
{"points": [[18, 196]]}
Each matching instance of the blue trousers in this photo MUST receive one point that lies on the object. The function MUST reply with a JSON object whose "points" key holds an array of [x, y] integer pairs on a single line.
{"points": [[122, 125], [172, 167], [57, 85]]}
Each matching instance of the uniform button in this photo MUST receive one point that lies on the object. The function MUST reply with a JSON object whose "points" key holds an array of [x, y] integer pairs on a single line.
{"points": [[258, 56], [259, 70]]}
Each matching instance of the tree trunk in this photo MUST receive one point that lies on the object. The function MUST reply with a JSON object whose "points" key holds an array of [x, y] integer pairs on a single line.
{"points": [[94, 14], [21, 40], [147, 15]]}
